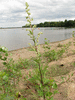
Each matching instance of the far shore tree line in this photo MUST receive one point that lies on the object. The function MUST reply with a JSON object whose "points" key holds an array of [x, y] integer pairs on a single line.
{"points": [[66, 23]]}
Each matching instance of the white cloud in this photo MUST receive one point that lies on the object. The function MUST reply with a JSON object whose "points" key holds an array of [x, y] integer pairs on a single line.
{"points": [[12, 12]]}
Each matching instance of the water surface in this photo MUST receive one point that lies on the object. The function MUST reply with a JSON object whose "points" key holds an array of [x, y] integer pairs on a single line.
{"points": [[17, 38]]}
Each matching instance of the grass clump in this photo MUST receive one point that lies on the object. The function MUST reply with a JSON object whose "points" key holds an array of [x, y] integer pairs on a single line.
{"points": [[53, 54], [27, 63], [59, 45]]}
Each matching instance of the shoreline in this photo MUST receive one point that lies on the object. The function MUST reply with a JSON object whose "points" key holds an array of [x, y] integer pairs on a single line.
{"points": [[25, 53], [40, 45]]}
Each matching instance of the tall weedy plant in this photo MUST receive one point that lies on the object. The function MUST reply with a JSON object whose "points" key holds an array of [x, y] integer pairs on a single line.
{"points": [[42, 85]]}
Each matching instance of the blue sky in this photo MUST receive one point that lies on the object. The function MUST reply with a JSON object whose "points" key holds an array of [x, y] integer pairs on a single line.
{"points": [[12, 12]]}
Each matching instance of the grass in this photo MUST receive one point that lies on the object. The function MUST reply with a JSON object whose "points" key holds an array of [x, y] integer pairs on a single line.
{"points": [[59, 45], [23, 63], [53, 54]]}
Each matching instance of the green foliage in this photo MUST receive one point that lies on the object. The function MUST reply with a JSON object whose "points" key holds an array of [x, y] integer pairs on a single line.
{"points": [[66, 23], [69, 23], [46, 46], [73, 33], [52, 55], [45, 88], [9, 77], [60, 52], [3, 51], [59, 45], [26, 63]]}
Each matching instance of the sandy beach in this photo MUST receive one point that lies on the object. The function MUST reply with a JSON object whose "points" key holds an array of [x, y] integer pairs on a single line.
{"points": [[67, 58]]}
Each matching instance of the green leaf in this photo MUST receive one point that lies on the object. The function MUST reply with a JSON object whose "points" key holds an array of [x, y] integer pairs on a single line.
{"points": [[5, 58], [49, 94], [45, 38], [5, 78], [26, 4], [4, 63], [6, 54], [0, 87], [31, 32], [56, 91], [34, 26], [54, 86], [46, 81], [24, 99], [40, 92], [46, 42], [2, 73], [27, 17], [72, 74], [17, 93]]}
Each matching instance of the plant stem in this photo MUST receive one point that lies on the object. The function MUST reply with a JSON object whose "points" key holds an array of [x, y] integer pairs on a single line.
{"points": [[38, 63], [36, 50], [41, 74], [41, 79], [34, 40]]}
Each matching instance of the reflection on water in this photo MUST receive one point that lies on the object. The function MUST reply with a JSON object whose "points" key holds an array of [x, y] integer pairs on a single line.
{"points": [[17, 38]]}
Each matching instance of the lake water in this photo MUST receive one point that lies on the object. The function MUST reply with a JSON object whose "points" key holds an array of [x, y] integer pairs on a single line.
{"points": [[17, 38]]}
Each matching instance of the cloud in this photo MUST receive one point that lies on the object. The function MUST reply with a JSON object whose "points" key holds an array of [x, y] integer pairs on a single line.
{"points": [[12, 12], [53, 9]]}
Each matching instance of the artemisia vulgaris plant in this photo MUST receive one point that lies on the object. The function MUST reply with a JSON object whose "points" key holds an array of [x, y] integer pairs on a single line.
{"points": [[42, 84]]}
